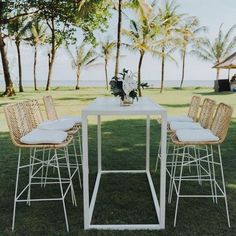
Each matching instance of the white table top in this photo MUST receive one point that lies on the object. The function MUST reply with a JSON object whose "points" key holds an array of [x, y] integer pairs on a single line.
{"points": [[111, 106]]}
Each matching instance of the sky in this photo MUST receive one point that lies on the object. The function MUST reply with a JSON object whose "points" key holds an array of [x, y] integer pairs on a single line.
{"points": [[211, 13]]}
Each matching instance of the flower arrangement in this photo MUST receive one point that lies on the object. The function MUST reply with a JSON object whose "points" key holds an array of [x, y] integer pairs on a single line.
{"points": [[124, 86]]}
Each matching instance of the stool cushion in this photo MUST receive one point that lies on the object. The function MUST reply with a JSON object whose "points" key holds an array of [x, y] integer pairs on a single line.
{"points": [[196, 135], [75, 119], [183, 118], [176, 125], [39, 136], [62, 125]]}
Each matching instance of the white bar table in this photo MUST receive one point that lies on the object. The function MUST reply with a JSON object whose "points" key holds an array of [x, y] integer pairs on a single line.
{"points": [[110, 106]]}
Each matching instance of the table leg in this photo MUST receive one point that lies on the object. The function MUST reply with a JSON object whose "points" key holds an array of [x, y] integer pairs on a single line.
{"points": [[85, 171], [148, 143], [163, 170], [99, 144]]}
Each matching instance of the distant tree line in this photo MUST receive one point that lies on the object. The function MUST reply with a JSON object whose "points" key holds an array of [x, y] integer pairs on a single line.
{"points": [[156, 29]]}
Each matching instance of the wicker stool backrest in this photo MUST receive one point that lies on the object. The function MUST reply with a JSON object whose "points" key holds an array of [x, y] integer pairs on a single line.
{"points": [[221, 121], [50, 108], [207, 112], [18, 121], [34, 111], [194, 107]]}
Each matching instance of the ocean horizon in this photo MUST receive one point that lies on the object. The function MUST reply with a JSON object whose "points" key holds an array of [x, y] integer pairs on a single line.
{"points": [[101, 83]]}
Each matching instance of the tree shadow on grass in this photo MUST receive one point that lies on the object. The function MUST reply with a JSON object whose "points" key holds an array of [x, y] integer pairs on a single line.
{"points": [[3, 104], [121, 198], [175, 105], [213, 93], [76, 99]]}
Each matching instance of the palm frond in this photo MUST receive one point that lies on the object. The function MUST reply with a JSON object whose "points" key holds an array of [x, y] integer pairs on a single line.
{"points": [[230, 47], [201, 55]]}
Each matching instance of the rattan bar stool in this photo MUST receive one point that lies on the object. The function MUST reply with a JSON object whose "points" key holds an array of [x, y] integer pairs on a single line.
{"points": [[204, 121], [191, 116], [35, 113], [24, 136], [207, 138], [52, 115]]}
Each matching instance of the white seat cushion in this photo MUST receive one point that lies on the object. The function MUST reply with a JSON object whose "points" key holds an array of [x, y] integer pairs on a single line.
{"points": [[197, 135], [39, 136], [183, 118], [62, 125], [176, 125], [75, 119]]}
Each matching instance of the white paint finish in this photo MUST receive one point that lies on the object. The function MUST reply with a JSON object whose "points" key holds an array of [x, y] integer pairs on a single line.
{"points": [[99, 139], [85, 171], [163, 168], [147, 143], [126, 227], [111, 106]]}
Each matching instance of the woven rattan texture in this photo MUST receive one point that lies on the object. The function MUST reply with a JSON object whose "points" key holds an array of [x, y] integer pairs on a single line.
{"points": [[207, 112], [194, 107], [219, 127], [50, 108], [34, 111], [17, 121], [221, 121]]}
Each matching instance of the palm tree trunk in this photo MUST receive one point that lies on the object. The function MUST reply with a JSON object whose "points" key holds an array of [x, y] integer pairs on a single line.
{"points": [[139, 74], [183, 68], [9, 90], [106, 74], [50, 66], [51, 55], [162, 69], [35, 63], [118, 37], [19, 66], [78, 78], [217, 73]]}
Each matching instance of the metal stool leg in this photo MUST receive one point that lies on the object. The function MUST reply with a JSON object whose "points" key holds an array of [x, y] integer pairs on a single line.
{"points": [[61, 188], [174, 171], [16, 189], [178, 189], [213, 173], [77, 163], [69, 173], [223, 182]]}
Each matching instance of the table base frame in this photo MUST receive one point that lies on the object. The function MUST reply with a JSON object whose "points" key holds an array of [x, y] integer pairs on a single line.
{"points": [[124, 226], [89, 205]]}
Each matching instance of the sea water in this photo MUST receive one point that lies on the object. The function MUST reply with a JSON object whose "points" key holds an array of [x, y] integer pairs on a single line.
{"points": [[101, 83]]}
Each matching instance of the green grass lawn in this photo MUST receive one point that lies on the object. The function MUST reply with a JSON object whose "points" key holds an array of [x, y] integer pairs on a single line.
{"points": [[121, 198]]}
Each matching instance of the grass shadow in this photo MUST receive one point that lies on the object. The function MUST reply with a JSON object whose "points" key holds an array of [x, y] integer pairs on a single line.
{"points": [[213, 93], [175, 105], [121, 198], [76, 99], [3, 104]]}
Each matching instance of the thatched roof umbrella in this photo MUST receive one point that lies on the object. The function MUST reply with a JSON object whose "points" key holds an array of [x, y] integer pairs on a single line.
{"points": [[228, 63]]}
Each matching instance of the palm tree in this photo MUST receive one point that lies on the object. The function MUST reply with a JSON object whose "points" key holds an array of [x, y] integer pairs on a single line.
{"points": [[82, 59], [118, 37], [189, 35], [9, 91], [167, 39], [17, 30], [121, 4], [37, 37], [107, 48], [142, 35], [217, 50]]}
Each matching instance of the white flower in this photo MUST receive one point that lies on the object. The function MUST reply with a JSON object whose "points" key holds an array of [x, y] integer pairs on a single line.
{"points": [[129, 83]]}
